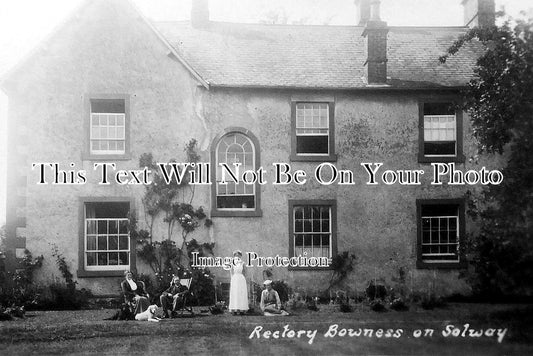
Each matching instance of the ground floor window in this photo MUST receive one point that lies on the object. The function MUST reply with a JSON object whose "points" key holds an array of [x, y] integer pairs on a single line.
{"points": [[441, 228], [312, 228], [107, 240]]}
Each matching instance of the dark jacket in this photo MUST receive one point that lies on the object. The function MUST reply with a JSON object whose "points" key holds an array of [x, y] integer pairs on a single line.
{"points": [[175, 289], [130, 294]]}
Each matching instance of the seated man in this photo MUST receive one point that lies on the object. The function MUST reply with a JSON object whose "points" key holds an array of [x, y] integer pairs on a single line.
{"points": [[174, 294], [270, 302]]}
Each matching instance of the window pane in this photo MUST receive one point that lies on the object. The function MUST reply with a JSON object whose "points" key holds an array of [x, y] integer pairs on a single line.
{"points": [[91, 227], [113, 242], [123, 242], [123, 258], [102, 258], [123, 226], [102, 242], [91, 242], [113, 226], [91, 259], [113, 258], [102, 226]]}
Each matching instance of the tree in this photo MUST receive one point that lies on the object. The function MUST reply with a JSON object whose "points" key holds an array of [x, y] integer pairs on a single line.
{"points": [[173, 200], [499, 100]]}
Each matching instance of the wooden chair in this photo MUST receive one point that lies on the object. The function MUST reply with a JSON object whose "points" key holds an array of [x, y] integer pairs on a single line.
{"points": [[186, 282]]}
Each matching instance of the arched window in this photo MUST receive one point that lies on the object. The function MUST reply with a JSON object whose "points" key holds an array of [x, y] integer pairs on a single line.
{"points": [[235, 153]]}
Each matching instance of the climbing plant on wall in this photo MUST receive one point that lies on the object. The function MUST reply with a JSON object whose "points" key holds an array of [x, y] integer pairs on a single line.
{"points": [[170, 202]]}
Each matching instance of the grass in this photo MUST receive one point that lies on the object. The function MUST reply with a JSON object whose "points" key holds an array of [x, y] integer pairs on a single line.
{"points": [[85, 332]]}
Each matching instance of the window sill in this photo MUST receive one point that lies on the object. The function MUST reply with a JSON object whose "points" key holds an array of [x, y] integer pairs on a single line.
{"points": [[96, 274], [304, 158], [236, 213], [431, 265], [119, 157], [441, 159]]}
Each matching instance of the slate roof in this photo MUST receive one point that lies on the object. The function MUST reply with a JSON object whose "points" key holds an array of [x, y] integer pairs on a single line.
{"points": [[316, 57]]}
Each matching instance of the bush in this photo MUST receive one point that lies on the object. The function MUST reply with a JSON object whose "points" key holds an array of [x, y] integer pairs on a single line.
{"points": [[375, 291], [398, 304], [60, 296], [203, 287], [430, 301], [19, 290], [377, 305]]}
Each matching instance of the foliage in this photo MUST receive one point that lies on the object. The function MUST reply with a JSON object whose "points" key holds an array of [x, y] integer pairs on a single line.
{"points": [[167, 257], [342, 265], [21, 292], [375, 291], [398, 304], [63, 295], [431, 301], [499, 100], [378, 305]]}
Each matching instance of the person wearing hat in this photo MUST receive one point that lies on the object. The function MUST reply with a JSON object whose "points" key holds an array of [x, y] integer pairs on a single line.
{"points": [[134, 293], [238, 291], [270, 302]]}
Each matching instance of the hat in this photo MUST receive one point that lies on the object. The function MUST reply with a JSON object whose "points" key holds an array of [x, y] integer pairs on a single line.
{"points": [[267, 282], [237, 252], [126, 272]]}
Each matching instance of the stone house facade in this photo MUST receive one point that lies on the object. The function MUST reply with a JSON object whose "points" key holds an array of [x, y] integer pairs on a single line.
{"points": [[110, 85]]}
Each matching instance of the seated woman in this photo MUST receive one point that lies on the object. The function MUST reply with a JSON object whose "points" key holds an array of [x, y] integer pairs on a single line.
{"points": [[135, 293], [270, 302]]}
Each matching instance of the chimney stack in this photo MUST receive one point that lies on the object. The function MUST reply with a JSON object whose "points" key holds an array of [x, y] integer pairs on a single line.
{"points": [[479, 13], [199, 13], [376, 40], [363, 11]]}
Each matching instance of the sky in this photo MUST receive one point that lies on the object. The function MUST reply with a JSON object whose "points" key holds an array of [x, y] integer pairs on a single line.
{"points": [[24, 23]]}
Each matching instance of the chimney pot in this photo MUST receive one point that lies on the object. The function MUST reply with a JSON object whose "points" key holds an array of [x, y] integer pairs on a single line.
{"points": [[374, 10], [376, 43], [479, 13], [363, 11]]}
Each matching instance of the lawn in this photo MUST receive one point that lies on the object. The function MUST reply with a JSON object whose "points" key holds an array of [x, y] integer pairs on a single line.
{"points": [[325, 332]]}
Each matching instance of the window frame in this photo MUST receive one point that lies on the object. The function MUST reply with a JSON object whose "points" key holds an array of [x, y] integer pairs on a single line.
{"points": [[83, 272], [216, 212], [309, 157], [420, 263], [87, 154], [332, 204], [459, 155]]}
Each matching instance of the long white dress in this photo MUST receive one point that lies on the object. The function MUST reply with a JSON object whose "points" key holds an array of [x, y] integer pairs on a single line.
{"points": [[238, 292]]}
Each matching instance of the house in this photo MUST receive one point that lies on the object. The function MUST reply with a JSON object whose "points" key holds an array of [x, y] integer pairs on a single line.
{"points": [[110, 85]]}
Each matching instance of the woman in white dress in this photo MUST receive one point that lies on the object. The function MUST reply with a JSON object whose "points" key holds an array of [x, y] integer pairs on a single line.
{"points": [[238, 291]]}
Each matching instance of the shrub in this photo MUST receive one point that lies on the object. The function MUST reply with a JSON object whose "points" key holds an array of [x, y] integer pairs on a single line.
{"points": [[430, 301], [377, 305], [60, 296], [375, 291], [398, 304], [21, 292]]}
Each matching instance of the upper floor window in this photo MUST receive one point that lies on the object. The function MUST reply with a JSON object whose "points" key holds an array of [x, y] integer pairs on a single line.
{"points": [[234, 153], [313, 131], [107, 127], [440, 132], [440, 229]]}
